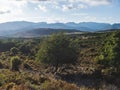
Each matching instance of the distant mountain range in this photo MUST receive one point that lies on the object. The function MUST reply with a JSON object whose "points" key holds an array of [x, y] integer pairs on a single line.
{"points": [[20, 28], [43, 32]]}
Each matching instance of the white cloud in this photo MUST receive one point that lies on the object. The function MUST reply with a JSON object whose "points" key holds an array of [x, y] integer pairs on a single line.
{"points": [[92, 2], [21, 9], [12, 6], [81, 6], [79, 14], [4, 12], [64, 7], [73, 6], [42, 8], [67, 7], [97, 2]]}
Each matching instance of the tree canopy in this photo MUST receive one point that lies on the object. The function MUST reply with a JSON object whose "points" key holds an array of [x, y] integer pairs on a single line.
{"points": [[57, 49]]}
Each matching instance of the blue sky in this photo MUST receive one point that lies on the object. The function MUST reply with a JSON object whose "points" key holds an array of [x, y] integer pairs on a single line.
{"points": [[106, 11]]}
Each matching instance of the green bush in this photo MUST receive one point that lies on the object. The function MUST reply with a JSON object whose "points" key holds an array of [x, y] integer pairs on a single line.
{"points": [[110, 52], [14, 50], [15, 62], [57, 50]]}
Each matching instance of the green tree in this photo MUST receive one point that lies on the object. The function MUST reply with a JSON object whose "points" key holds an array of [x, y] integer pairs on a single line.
{"points": [[15, 62], [57, 50]]}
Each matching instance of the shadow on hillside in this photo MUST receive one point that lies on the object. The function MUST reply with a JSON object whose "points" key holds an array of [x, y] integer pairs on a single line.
{"points": [[91, 81]]}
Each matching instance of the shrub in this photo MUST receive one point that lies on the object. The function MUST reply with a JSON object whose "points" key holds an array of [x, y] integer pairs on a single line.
{"points": [[57, 50], [15, 62], [14, 50], [110, 52]]}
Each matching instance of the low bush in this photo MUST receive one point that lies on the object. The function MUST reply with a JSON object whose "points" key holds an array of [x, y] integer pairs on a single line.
{"points": [[15, 62]]}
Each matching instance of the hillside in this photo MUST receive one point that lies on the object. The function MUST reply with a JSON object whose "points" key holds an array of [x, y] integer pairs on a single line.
{"points": [[12, 28], [20, 70]]}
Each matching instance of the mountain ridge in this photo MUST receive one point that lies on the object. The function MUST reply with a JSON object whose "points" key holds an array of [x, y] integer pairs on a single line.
{"points": [[12, 28]]}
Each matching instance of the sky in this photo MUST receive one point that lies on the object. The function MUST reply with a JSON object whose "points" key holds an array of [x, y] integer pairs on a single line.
{"points": [[51, 11]]}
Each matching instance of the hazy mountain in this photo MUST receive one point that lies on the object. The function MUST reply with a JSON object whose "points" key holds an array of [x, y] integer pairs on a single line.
{"points": [[43, 32], [116, 26], [96, 26], [12, 28]]}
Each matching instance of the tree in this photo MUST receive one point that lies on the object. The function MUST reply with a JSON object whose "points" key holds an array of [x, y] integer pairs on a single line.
{"points": [[15, 62], [57, 50]]}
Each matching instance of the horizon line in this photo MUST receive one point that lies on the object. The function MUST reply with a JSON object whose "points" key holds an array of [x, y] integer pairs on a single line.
{"points": [[60, 22]]}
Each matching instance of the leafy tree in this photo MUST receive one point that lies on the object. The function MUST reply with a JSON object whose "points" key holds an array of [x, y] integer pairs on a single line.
{"points": [[15, 62], [57, 50]]}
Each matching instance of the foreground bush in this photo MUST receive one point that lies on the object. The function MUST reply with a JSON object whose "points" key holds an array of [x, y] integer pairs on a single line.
{"points": [[14, 50], [109, 56], [57, 50], [15, 62]]}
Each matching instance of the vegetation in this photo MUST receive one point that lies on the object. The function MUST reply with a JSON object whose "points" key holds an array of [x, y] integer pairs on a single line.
{"points": [[15, 62], [87, 61], [109, 52], [57, 50], [14, 50]]}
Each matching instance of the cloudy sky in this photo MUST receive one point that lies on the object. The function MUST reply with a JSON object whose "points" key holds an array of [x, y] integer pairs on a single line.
{"points": [[60, 11]]}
